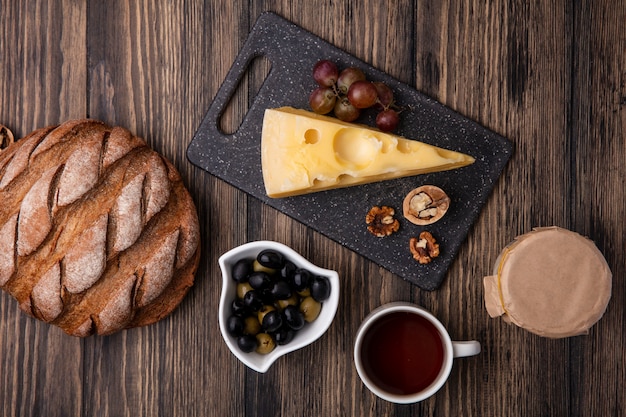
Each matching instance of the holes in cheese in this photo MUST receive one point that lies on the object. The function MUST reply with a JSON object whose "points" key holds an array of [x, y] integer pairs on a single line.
{"points": [[304, 152], [311, 136], [355, 150]]}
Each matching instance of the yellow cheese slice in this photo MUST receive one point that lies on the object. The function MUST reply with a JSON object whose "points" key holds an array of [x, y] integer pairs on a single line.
{"points": [[304, 152]]}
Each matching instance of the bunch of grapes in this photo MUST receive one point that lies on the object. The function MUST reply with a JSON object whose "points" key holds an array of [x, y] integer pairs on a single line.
{"points": [[348, 92]]}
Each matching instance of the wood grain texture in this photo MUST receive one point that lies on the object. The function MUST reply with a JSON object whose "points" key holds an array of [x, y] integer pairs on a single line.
{"points": [[550, 76]]}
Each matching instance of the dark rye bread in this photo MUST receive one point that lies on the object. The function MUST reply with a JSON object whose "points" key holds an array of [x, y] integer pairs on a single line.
{"points": [[97, 231]]}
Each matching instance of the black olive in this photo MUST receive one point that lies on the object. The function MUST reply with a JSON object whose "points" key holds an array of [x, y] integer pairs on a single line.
{"points": [[259, 280], [266, 296], [272, 321], [253, 301], [287, 271], [293, 317], [320, 288], [247, 342], [241, 270], [301, 279], [263, 311], [284, 335], [238, 307], [281, 290], [275, 300], [235, 325], [271, 259]]}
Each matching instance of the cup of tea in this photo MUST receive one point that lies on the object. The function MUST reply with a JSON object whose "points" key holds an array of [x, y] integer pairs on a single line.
{"points": [[403, 354]]}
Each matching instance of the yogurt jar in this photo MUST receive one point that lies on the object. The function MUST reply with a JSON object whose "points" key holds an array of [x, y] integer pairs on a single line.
{"points": [[551, 281]]}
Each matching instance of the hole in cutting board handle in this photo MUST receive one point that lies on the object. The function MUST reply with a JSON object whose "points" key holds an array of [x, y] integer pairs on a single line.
{"points": [[239, 103]]}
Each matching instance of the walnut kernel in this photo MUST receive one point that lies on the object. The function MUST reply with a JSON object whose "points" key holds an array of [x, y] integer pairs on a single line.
{"points": [[380, 221], [425, 205], [424, 249]]}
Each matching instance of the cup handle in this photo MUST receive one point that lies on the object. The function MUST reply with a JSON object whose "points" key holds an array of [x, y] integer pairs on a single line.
{"points": [[467, 348]]}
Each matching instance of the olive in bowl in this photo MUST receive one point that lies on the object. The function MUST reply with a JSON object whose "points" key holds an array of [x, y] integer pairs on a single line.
{"points": [[263, 314]]}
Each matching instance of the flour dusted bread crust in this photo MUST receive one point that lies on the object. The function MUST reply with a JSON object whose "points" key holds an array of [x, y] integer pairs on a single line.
{"points": [[97, 231]]}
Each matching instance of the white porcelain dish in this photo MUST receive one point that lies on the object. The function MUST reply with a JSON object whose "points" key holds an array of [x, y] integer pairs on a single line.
{"points": [[307, 335]]}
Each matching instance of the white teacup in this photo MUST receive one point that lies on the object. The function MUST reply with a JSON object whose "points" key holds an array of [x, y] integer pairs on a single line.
{"points": [[403, 354]]}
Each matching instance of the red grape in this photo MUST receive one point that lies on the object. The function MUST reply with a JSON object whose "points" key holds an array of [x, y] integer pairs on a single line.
{"points": [[387, 120], [345, 111], [325, 73], [349, 92], [347, 77], [385, 95], [362, 94], [322, 100]]}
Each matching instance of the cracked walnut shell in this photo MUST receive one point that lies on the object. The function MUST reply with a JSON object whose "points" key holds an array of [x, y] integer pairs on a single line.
{"points": [[380, 221], [424, 249], [425, 205]]}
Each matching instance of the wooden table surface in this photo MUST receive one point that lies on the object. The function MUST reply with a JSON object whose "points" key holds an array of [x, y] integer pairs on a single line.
{"points": [[550, 76]]}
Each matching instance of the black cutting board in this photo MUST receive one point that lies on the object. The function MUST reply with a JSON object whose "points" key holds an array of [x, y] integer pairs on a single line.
{"points": [[340, 214]]}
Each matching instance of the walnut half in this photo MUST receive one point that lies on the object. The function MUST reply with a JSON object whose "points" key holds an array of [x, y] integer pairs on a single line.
{"points": [[380, 221], [424, 249], [425, 205]]}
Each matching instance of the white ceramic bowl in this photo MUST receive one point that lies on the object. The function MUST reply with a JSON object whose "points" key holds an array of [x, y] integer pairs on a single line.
{"points": [[307, 335]]}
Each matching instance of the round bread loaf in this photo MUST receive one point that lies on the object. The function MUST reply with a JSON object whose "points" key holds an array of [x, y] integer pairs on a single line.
{"points": [[97, 231]]}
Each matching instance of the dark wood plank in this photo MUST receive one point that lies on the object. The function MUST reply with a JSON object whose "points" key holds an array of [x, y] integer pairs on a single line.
{"points": [[299, 375], [549, 76], [43, 56], [158, 61], [43, 59], [502, 70], [599, 143]]}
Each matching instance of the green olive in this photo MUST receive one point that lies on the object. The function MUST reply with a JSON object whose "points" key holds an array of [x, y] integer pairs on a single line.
{"points": [[257, 267], [265, 343], [305, 292], [243, 288], [291, 301], [251, 325], [310, 309]]}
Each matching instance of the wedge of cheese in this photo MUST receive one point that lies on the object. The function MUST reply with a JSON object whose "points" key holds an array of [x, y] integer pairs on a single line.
{"points": [[304, 152]]}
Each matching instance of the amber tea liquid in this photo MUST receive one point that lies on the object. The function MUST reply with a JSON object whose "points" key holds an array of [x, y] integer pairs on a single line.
{"points": [[402, 353]]}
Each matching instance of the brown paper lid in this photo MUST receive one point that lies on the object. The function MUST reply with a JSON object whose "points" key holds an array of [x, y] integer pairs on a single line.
{"points": [[551, 281]]}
